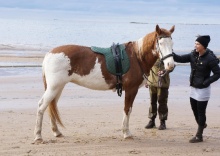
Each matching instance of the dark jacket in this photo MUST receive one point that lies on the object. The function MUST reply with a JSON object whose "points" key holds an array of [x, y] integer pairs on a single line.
{"points": [[201, 67]]}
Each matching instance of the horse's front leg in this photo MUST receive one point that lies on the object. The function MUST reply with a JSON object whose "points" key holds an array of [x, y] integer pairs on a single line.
{"points": [[129, 99]]}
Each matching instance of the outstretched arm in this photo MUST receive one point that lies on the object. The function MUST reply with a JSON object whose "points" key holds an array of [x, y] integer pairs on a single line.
{"points": [[181, 58]]}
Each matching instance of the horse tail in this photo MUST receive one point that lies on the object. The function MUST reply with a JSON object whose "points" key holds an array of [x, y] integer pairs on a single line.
{"points": [[52, 107], [44, 80]]}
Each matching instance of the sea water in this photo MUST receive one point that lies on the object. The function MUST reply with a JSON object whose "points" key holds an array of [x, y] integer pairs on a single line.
{"points": [[40, 34], [36, 36]]}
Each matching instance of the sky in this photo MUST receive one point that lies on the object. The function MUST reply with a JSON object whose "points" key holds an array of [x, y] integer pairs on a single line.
{"points": [[189, 11]]}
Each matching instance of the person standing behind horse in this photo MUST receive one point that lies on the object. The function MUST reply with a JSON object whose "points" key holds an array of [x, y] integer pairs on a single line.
{"points": [[202, 62], [158, 88]]}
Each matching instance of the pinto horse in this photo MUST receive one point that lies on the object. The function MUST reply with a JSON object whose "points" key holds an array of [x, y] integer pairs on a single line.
{"points": [[80, 65]]}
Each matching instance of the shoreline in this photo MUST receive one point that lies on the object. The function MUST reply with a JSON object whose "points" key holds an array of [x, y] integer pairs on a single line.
{"points": [[32, 59], [39, 51]]}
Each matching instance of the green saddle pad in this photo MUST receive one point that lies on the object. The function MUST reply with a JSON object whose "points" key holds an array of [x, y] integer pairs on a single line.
{"points": [[109, 58]]}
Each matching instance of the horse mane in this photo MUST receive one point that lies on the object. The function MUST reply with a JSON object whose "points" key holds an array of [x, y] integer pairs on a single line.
{"points": [[145, 45], [145, 48]]}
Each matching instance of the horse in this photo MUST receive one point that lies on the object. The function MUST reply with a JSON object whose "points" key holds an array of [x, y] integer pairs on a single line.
{"points": [[80, 65]]}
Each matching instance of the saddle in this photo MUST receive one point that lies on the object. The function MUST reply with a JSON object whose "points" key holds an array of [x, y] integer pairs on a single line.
{"points": [[117, 62]]}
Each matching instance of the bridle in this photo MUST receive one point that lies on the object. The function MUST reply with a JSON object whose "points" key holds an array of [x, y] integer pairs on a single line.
{"points": [[161, 60], [158, 48], [159, 51]]}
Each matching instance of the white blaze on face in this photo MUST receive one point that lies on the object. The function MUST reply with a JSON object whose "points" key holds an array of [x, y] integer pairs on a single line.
{"points": [[165, 48]]}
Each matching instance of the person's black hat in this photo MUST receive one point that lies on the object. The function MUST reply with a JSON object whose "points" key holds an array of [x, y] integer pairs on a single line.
{"points": [[204, 40]]}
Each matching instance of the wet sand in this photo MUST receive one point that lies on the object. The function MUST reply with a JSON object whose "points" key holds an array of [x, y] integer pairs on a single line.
{"points": [[93, 119]]}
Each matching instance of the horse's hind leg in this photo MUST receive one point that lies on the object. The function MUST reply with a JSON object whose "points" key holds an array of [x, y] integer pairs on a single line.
{"points": [[49, 95], [54, 126]]}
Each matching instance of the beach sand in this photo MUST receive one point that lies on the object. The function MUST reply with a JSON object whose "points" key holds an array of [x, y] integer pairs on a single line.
{"points": [[93, 121]]}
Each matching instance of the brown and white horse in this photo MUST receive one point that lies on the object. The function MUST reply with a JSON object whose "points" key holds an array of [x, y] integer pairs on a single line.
{"points": [[78, 64]]}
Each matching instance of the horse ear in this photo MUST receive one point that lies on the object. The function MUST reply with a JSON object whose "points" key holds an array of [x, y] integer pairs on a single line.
{"points": [[158, 29], [172, 29]]}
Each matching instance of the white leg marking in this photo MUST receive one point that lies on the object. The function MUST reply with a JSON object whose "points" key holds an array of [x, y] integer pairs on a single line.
{"points": [[55, 129], [38, 126], [125, 125], [48, 96]]}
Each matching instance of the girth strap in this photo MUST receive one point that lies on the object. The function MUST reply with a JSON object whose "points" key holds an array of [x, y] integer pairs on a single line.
{"points": [[118, 65]]}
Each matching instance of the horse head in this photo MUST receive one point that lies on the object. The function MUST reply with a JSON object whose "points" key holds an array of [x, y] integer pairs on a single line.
{"points": [[164, 46]]}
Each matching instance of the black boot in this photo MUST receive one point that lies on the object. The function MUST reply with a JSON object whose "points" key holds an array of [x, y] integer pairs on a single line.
{"points": [[198, 137], [151, 124], [162, 125]]}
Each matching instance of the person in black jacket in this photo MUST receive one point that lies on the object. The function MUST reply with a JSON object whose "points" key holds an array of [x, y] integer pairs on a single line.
{"points": [[203, 62]]}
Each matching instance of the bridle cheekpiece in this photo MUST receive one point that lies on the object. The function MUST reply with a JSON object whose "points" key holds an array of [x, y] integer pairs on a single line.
{"points": [[158, 48]]}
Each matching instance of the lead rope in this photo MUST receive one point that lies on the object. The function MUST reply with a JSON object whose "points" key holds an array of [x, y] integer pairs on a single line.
{"points": [[160, 76]]}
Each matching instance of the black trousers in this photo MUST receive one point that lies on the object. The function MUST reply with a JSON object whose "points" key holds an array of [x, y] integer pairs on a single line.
{"points": [[199, 110]]}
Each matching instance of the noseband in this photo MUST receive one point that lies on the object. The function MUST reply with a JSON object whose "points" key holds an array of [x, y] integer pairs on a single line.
{"points": [[158, 48]]}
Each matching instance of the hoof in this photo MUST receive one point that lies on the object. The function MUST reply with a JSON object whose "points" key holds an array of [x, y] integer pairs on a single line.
{"points": [[38, 141], [59, 135], [128, 136]]}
